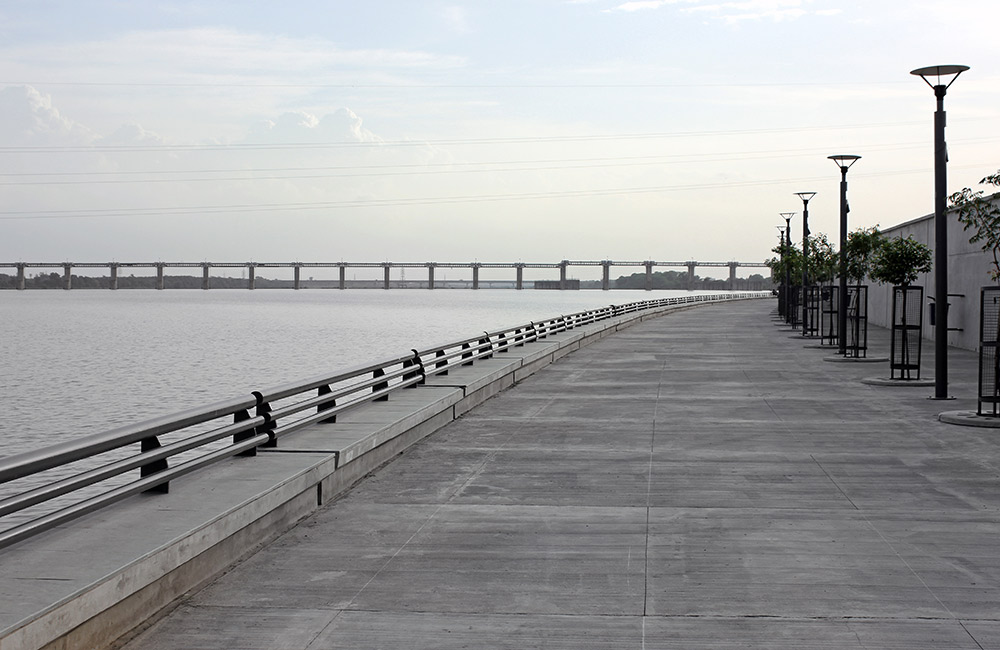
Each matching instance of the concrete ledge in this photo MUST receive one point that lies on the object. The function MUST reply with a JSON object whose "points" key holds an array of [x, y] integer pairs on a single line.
{"points": [[840, 359], [969, 419], [882, 381]]}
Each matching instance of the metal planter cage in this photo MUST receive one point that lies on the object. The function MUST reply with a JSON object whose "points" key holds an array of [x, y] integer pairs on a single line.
{"points": [[907, 324], [813, 299], [989, 361], [857, 321], [829, 307]]}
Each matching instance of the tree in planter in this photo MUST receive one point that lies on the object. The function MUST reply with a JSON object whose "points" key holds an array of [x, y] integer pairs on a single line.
{"points": [[791, 262], [860, 249], [899, 262], [981, 214], [823, 269]]}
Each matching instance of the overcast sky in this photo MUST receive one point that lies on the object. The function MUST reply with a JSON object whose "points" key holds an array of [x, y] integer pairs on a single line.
{"points": [[532, 130]]}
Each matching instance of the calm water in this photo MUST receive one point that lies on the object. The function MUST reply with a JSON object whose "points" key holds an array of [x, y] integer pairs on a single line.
{"points": [[77, 362]]}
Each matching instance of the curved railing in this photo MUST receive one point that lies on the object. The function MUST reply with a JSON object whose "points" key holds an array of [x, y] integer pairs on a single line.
{"points": [[202, 436]]}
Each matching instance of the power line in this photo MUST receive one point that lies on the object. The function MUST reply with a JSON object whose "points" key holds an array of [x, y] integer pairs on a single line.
{"points": [[441, 142], [444, 200]]}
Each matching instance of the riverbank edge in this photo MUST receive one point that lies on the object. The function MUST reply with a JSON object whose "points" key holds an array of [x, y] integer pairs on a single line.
{"points": [[106, 576]]}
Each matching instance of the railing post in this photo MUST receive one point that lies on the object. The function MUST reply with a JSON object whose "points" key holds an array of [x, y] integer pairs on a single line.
{"points": [[468, 354], [326, 406], [442, 363], [148, 445], [242, 416], [486, 344], [418, 370], [380, 386]]}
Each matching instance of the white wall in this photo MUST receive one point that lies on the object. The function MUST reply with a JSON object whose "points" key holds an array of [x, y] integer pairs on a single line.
{"points": [[968, 270]]}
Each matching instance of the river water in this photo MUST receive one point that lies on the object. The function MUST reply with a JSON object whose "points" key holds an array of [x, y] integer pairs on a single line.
{"points": [[79, 362]]}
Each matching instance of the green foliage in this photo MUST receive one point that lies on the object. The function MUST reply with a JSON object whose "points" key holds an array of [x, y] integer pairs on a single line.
{"points": [[792, 261], [860, 250], [981, 214], [900, 261], [822, 259]]}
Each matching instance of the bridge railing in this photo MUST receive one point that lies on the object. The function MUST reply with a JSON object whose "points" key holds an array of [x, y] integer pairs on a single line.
{"points": [[96, 469]]}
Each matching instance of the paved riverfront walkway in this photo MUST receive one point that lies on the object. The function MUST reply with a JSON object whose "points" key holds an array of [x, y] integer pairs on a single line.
{"points": [[701, 480]]}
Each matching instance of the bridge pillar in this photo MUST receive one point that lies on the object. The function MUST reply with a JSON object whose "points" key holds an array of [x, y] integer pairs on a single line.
{"points": [[430, 275], [649, 275], [67, 276], [204, 277], [159, 277], [20, 277], [562, 274], [732, 275], [251, 280], [606, 275], [475, 276], [690, 283], [520, 277], [343, 277], [114, 276], [298, 273], [385, 268]]}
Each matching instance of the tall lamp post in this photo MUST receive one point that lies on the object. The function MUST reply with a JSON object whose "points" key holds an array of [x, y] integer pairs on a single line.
{"points": [[783, 296], [844, 161], [805, 196], [788, 268], [945, 76]]}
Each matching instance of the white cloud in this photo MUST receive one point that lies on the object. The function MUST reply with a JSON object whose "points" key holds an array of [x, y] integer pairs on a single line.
{"points": [[28, 117]]}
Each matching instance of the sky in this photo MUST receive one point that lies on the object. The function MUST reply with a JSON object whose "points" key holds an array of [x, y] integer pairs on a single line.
{"points": [[489, 131]]}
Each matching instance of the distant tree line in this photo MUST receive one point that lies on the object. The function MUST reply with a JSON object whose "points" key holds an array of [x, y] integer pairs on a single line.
{"points": [[679, 280]]}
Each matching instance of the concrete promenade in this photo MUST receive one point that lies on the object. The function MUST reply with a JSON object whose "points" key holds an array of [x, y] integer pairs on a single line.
{"points": [[700, 480]]}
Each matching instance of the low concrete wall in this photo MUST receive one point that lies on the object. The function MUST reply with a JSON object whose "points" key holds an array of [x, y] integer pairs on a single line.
{"points": [[87, 583], [968, 271]]}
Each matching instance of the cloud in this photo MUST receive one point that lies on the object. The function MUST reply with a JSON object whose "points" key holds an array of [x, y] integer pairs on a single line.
{"points": [[734, 12], [343, 125], [27, 117]]}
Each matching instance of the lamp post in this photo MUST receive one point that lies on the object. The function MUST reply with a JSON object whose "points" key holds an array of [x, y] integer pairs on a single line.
{"points": [[783, 296], [788, 269], [805, 196], [844, 161], [945, 76]]}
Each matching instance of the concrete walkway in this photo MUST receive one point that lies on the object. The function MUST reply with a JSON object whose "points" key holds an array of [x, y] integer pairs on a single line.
{"points": [[701, 480]]}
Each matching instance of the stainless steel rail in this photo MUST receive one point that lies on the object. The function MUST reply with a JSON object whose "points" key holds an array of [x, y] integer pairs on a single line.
{"points": [[224, 429]]}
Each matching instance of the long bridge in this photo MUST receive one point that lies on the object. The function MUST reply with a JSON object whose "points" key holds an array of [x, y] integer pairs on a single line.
{"points": [[251, 269]]}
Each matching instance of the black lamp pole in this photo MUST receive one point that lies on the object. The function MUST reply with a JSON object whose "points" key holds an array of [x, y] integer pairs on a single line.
{"points": [[942, 72], [805, 196], [844, 162], [788, 267]]}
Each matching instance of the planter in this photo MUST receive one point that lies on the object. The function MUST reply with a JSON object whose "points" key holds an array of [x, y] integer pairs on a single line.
{"points": [[857, 321], [829, 306], [989, 361], [907, 324], [812, 316]]}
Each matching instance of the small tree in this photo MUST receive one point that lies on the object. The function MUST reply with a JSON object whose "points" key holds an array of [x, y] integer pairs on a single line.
{"points": [[860, 250], [982, 215], [900, 261], [822, 259], [792, 262]]}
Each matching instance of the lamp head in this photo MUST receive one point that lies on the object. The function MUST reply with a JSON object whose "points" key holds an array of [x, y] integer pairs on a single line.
{"points": [[787, 216], [805, 196], [944, 75], [844, 161]]}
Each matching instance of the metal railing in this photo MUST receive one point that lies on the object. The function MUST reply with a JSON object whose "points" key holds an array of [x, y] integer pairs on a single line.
{"points": [[240, 426]]}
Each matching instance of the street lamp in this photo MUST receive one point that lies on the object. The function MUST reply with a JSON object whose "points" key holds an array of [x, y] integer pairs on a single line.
{"points": [[844, 161], [788, 268], [782, 302], [805, 196], [945, 75]]}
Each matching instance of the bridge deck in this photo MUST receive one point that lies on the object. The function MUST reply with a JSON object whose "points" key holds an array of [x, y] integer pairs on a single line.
{"points": [[700, 480]]}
